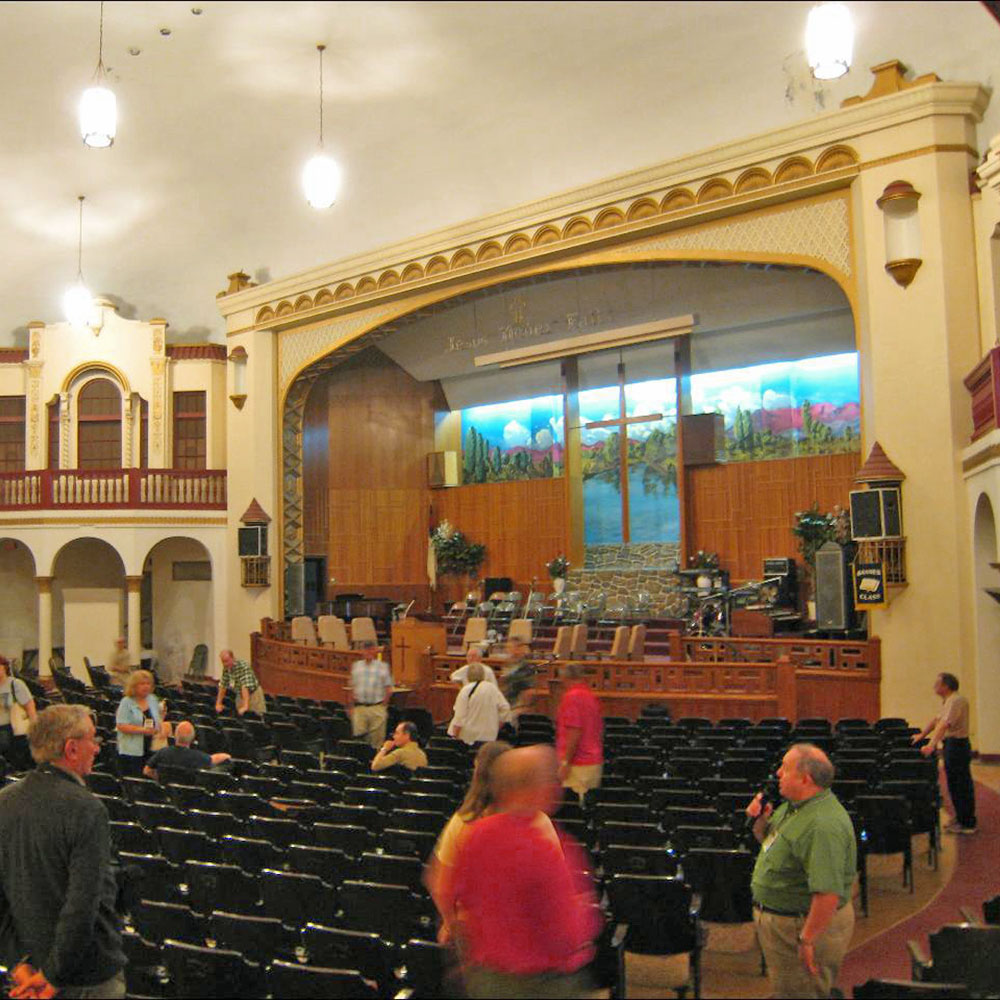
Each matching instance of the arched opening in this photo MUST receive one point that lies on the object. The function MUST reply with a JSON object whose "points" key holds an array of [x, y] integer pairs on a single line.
{"points": [[177, 605], [987, 702], [88, 602], [19, 622], [99, 425]]}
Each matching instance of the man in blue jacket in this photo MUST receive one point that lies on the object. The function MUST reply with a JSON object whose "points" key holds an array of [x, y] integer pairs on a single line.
{"points": [[58, 893]]}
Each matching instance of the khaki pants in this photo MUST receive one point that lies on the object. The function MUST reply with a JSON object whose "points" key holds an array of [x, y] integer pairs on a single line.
{"points": [[257, 703], [368, 723], [583, 777], [778, 937]]}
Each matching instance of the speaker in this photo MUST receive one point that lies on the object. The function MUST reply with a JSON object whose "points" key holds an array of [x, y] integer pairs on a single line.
{"points": [[876, 513], [252, 541], [833, 589], [442, 469], [295, 589]]}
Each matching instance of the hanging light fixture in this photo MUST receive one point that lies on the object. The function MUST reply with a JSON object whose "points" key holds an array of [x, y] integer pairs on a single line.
{"points": [[829, 40], [321, 175], [98, 106], [78, 303]]}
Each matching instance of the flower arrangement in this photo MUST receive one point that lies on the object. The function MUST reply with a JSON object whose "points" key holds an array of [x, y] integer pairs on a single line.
{"points": [[454, 552], [558, 567], [704, 560]]}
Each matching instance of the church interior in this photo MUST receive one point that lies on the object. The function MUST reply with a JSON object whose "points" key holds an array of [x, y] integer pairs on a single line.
{"points": [[629, 336]]}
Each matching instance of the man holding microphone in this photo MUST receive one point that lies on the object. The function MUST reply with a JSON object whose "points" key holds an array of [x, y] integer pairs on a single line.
{"points": [[804, 877]]}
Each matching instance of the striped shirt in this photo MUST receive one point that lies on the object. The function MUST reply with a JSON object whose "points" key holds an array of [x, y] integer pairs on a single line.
{"points": [[369, 681]]}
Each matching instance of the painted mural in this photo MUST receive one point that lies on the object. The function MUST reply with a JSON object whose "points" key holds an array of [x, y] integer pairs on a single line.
{"points": [[787, 409], [522, 439]]}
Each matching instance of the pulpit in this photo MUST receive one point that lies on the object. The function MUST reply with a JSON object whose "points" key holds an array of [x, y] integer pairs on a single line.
{"points": [[414, 642]]}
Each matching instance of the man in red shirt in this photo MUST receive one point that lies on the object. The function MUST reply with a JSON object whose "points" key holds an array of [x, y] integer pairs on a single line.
{"points": [[579, 734], [525, 910]]}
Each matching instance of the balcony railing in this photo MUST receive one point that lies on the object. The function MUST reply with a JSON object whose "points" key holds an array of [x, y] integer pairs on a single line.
{"points": [[150, 489], [983, 385]]}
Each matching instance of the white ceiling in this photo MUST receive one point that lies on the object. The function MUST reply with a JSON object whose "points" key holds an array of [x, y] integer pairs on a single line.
{"points": [[438, 112]]}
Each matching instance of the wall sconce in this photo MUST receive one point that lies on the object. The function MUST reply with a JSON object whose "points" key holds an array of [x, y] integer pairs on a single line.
{"points": [[238, 359], [902, 231]]}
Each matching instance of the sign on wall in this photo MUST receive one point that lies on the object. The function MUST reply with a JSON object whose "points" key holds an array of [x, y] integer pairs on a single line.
{"points": [[869, 586]]}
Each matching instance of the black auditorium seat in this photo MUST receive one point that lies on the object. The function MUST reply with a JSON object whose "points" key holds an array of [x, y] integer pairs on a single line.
{"points": [[686, 838], [368, 795], [251, 853], [341, 948], [220, 887], [102, 783], [901, 989], [211, 972], [427, 969], [133, 838], [154, 814], [190, 796], [295, 898], [391, 911], [143, 967], [331, 864], [721, 876], [288, 979], [145, 790], [217, 781], [887, 829], [350, 815], [637, 834], [263, 938], [418, 843], [217, 824], [395, 869], [960, 953], [187, 845], [280, 832], [157, 922], [631, 859], [120, 810], [148, 876], [415, 819]]}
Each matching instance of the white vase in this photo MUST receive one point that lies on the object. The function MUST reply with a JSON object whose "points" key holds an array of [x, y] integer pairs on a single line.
{"points": [[703, 582], [558, 584]]}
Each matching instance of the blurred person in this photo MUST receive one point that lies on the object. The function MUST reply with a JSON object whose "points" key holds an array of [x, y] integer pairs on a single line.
{"points": [[523, 913], [238, 677], [518, 676], [950, 730], [579, 734], [183, 754], [480, 709], [473, 654], [17, 706], [402, 750], [139, 720], [368, 696], [55, 866], [119, 662], [804, 877]]}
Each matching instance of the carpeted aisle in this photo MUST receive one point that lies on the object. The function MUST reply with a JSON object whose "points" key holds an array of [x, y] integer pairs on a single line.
{"points": [[975, 878]]}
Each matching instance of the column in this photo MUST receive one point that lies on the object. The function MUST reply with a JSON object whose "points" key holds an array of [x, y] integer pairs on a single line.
{"points": [[133, 585], [44, 624]]}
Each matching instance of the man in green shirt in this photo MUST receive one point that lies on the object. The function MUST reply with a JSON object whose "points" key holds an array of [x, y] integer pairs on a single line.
{"points": [[804, 877]]}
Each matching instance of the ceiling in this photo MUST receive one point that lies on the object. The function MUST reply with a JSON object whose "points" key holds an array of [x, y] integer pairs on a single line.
{"points": [[438, 112]]}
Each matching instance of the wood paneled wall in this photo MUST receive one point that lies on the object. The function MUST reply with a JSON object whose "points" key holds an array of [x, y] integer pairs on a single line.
{"points": [[745, 510], [522, 524], [368, 428]]}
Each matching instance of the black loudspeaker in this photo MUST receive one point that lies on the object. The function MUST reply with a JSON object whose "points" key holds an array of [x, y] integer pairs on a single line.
{"points": [[876, 513], [252, 541], [834, 610], [494, 583]]}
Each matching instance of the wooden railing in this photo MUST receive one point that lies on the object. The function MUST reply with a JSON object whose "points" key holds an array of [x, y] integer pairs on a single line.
{"points": [[166, 489], [983, 385], [823, 654]]}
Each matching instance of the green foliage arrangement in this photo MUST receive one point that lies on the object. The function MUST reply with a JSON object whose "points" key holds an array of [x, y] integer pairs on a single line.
{"points": [[704, 560], [454, 552], [558, 567], [813, 528]]}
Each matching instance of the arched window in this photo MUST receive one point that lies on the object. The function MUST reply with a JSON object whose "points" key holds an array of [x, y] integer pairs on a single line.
{"points": [[99, 426]]}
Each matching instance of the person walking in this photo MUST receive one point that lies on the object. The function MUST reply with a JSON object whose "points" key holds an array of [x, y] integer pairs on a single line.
{"points": [[950, 730], [579, 734], [139, 721], [480, 709], [804, 877], [368, 696], [17, 709], [55, 867]]}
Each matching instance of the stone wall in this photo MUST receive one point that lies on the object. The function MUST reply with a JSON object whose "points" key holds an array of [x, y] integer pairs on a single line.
{"points": [[622, 571]]}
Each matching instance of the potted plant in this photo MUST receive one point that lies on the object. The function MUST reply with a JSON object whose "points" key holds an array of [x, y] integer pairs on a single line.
{"points": [[454, 553], [558, 568]]}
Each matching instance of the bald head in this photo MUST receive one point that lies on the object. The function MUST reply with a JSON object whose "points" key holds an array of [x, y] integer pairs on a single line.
{"points": [[525, 780], [805, 770], [184, 734], [474, 655]]}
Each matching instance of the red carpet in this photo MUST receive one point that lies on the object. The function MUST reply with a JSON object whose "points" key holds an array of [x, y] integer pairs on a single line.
{"points": [[975, 878]]}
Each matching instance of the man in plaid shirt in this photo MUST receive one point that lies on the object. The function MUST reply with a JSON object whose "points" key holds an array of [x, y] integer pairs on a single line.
{"points": [[368, 697], [238, 676]]}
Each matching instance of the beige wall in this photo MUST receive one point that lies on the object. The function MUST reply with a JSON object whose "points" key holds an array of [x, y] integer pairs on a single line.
{"points": [[19, 621]]}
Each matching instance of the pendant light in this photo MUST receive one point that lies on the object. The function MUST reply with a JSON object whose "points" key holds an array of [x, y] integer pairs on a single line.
{"points": [[78, 303], [829, 41], [98, 106], [321, 175]]}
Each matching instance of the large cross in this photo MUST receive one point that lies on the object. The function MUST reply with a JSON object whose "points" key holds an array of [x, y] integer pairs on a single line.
{"points": [[622, 423]]}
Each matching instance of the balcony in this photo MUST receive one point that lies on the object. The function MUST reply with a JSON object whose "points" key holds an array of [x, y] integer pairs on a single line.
{"points": [[113, 489]]}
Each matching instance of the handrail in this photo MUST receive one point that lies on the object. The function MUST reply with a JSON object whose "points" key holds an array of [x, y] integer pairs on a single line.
{"points": [[110, 489]]}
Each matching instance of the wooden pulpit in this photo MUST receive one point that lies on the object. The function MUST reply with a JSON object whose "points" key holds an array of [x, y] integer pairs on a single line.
{"points": [[413, 644]]}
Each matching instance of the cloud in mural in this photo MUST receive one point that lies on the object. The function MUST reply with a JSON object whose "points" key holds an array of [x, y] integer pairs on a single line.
{"points": [[543, 439], [516, 435], [734, 397], [777, 400], [556, 423]]}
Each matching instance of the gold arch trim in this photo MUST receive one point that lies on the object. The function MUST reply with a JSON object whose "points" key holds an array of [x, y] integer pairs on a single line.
{"points": [[103, 367], [732, 191]]}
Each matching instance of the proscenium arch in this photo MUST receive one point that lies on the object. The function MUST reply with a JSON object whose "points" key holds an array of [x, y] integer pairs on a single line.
{"points": [[97, 369], [294, 395]]}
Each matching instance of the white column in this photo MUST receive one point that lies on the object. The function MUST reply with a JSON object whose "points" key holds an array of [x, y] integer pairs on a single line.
{"points": [[133, 586], [44, 624]]}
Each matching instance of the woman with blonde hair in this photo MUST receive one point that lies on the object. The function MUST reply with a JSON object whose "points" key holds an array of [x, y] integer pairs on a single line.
{"points": [[478, 803], [139, 721]]}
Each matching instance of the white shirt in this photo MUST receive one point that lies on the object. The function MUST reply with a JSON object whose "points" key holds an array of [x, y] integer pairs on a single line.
{"points": [[461, 675], [480, 709]]}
